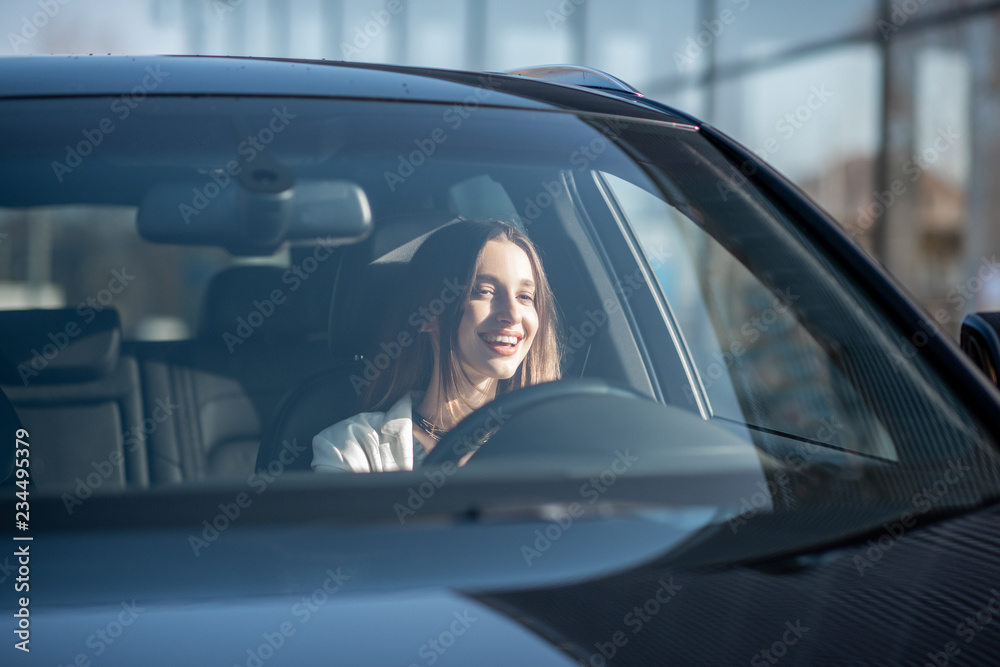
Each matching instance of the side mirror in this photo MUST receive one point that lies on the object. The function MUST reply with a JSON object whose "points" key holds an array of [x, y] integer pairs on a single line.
{"points": [[981, 341]]}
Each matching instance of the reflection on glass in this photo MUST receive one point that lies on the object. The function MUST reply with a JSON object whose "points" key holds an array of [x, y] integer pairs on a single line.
{"points": [[757, 363]]}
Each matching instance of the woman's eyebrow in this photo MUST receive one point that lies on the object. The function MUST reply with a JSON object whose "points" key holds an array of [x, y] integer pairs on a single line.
{"points": [[485, 277]]}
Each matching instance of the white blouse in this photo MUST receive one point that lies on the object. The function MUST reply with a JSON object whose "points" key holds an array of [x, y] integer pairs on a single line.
{"points": [[370, 441]]}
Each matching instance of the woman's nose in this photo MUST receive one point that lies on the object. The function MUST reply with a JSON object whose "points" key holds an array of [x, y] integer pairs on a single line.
{"points": [[505, 309]]}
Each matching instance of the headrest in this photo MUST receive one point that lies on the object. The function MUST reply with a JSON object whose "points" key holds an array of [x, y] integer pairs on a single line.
{"points": [[57, 346], [369, 276], [244, 299]]}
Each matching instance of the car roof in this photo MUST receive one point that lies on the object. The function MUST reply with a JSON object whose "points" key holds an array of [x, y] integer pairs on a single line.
{"points": [[81, 75]]}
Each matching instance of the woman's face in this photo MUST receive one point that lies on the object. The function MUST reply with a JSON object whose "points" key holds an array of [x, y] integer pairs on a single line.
{"points": [[499, 321]]}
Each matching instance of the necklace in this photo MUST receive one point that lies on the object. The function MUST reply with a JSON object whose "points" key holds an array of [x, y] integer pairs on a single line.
{"points": [[427, 427]]}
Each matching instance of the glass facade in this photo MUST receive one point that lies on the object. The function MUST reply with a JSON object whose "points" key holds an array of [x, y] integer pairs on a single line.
{"points": [[885, 112]]}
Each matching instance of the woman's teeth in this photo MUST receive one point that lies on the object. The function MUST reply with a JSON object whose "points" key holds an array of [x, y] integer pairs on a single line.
{"points": [[509, 340]]}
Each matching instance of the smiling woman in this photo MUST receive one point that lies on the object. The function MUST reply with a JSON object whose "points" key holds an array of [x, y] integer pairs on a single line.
{"points": [[497, 335]]}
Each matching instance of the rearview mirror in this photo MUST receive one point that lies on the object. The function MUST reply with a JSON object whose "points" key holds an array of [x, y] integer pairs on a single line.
{"points": [[254, 213]]}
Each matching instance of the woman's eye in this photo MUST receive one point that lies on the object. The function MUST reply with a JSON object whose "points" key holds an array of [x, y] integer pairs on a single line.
{"points": [[483, 291], [527, 298]]}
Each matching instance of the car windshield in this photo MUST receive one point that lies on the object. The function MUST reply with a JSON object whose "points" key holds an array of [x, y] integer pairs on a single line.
{"points": [[163, 355]]}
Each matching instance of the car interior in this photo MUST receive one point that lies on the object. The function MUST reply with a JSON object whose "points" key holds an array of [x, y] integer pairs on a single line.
{"points": [[108, 413]]}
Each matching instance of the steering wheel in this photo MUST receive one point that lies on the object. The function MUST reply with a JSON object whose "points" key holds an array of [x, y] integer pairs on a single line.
{"points": [[468, 435]]}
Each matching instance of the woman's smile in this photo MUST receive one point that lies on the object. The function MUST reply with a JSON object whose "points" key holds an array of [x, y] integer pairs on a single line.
{"points": [[503, 343]]}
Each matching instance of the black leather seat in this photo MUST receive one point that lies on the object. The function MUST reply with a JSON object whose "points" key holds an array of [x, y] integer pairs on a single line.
{"points": [[224, 384], [321, 400], [78, 396], [367, 277]]}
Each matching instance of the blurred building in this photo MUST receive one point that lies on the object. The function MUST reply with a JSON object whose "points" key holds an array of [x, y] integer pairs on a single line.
{"points": [[887, 112]]}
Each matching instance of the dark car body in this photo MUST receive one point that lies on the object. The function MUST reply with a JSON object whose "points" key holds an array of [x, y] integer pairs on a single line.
{"points": [[849, 557]]}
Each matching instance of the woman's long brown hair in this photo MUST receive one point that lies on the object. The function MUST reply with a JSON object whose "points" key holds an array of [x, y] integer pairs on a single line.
{"points": [[445, 263]]}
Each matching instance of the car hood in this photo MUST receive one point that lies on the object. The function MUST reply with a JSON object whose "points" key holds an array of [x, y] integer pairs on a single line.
{"points": [[311, 595], [665, 610], [421, 627]]}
